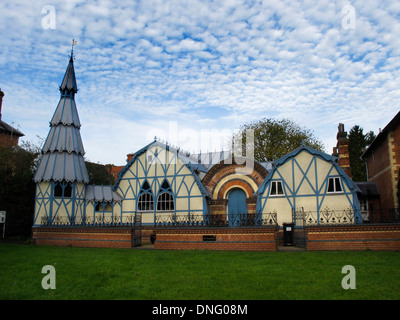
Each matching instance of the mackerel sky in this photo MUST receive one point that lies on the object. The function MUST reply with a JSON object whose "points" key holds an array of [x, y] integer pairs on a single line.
{"points": [[192, 72]]}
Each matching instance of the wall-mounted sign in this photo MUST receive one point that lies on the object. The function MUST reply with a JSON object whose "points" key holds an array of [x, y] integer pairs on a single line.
{"points": [[2, 217]]}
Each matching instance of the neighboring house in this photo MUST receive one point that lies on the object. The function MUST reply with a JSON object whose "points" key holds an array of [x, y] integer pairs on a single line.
{"points": [[369, 199], [383, 165], [9, 136], [310, 182]]}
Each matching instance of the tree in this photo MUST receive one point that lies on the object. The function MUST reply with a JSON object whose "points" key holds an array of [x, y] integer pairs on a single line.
{"points": [[358, 143], [17, 188], [274, 138], [98, 174]]}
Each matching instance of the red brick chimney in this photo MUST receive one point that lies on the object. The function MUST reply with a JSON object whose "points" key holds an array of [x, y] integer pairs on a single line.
{"points": [[1, 100], [129, 157], [342, 150]]}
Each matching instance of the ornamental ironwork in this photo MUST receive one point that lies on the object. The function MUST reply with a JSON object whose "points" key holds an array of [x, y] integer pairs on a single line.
{"points": [[329, 216], [215, 220]]}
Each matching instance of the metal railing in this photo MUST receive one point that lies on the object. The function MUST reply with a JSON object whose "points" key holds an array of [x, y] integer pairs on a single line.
{"points": [[328, 216], [216, 220], [170, 220], [114, 221]]}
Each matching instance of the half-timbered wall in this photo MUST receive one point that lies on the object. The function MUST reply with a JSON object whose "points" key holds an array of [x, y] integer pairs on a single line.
{"points": [[154, 166], [51, 207], [306, 180]]}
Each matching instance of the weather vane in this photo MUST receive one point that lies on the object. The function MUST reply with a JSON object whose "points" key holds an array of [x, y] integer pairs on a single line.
{"points": [[72, 49]]}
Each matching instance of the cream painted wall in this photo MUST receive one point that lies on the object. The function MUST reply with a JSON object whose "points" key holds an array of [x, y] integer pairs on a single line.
{"points": [[155, 165], [305, 186]]}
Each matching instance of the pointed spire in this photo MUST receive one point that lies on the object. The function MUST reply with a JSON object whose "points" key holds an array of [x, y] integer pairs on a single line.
{"points": [[62, 153], [68, 85]]}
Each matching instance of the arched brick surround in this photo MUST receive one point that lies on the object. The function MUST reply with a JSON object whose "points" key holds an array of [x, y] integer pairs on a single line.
{"points": [[223, 177]]}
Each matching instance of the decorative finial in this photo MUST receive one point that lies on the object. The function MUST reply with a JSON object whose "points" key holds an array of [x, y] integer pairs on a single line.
{"points": [[72, 49]]}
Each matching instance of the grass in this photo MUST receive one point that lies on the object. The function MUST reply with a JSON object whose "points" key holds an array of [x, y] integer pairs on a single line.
{"points": [[88, 273]]}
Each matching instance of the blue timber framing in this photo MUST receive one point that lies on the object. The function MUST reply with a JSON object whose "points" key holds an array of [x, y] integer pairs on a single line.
{"points": [[162, 172], [319, 189]]}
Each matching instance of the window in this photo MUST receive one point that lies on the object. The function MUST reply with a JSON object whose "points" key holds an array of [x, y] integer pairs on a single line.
{"points": [[103, 207], [165, 200], [334, 185], [276, 188], [63, 190], [145, 201]]}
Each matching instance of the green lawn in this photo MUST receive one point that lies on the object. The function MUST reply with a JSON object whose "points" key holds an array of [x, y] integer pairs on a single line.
{"points": [[147, 274]]}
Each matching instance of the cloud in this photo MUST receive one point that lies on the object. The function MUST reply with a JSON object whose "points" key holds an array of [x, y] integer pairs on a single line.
{"points": [[205, 64]]}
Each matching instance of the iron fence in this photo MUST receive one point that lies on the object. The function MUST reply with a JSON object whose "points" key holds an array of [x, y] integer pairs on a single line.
{"points": [[328, 216], [171, 220], [216, 220], [115, 221]]}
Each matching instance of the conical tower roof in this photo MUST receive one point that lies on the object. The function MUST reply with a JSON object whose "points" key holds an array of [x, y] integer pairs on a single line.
{"points": [[69, 81], [62, 153]]}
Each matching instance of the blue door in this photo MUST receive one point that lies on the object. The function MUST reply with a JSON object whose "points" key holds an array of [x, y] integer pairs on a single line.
{"points": [[237, 207]]}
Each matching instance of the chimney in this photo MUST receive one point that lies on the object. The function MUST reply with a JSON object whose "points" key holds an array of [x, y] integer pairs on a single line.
{"points": [[1, 100], [342, 150], [129, 157]]}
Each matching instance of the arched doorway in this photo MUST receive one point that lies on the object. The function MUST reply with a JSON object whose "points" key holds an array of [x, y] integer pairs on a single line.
{"points": [[237, 207]]}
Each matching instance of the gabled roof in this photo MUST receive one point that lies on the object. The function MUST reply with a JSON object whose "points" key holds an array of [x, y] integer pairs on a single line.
{"points": [[294, 153], [382, 135], [6, 128], [191, 164]]}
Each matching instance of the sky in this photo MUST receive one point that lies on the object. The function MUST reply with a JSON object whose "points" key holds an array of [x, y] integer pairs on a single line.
{"points": [[192, 72]]}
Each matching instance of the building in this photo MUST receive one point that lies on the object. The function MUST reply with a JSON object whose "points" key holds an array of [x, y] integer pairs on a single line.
{"points": [[311, 183], [61, 176], [9, 136], [383, 164], [205, 201]]}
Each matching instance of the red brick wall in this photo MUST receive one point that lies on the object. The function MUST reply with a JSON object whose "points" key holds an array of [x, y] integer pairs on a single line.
{"points": [[243, 239], [360, 237], [356, 237], [378, 159], [93, 237], [6, 140], [219, 171], [384, 170]]}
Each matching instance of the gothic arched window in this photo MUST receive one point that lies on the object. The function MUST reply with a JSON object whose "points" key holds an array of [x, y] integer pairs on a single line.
{"points": [[63, 190], [165, 200], [145, 201]]}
